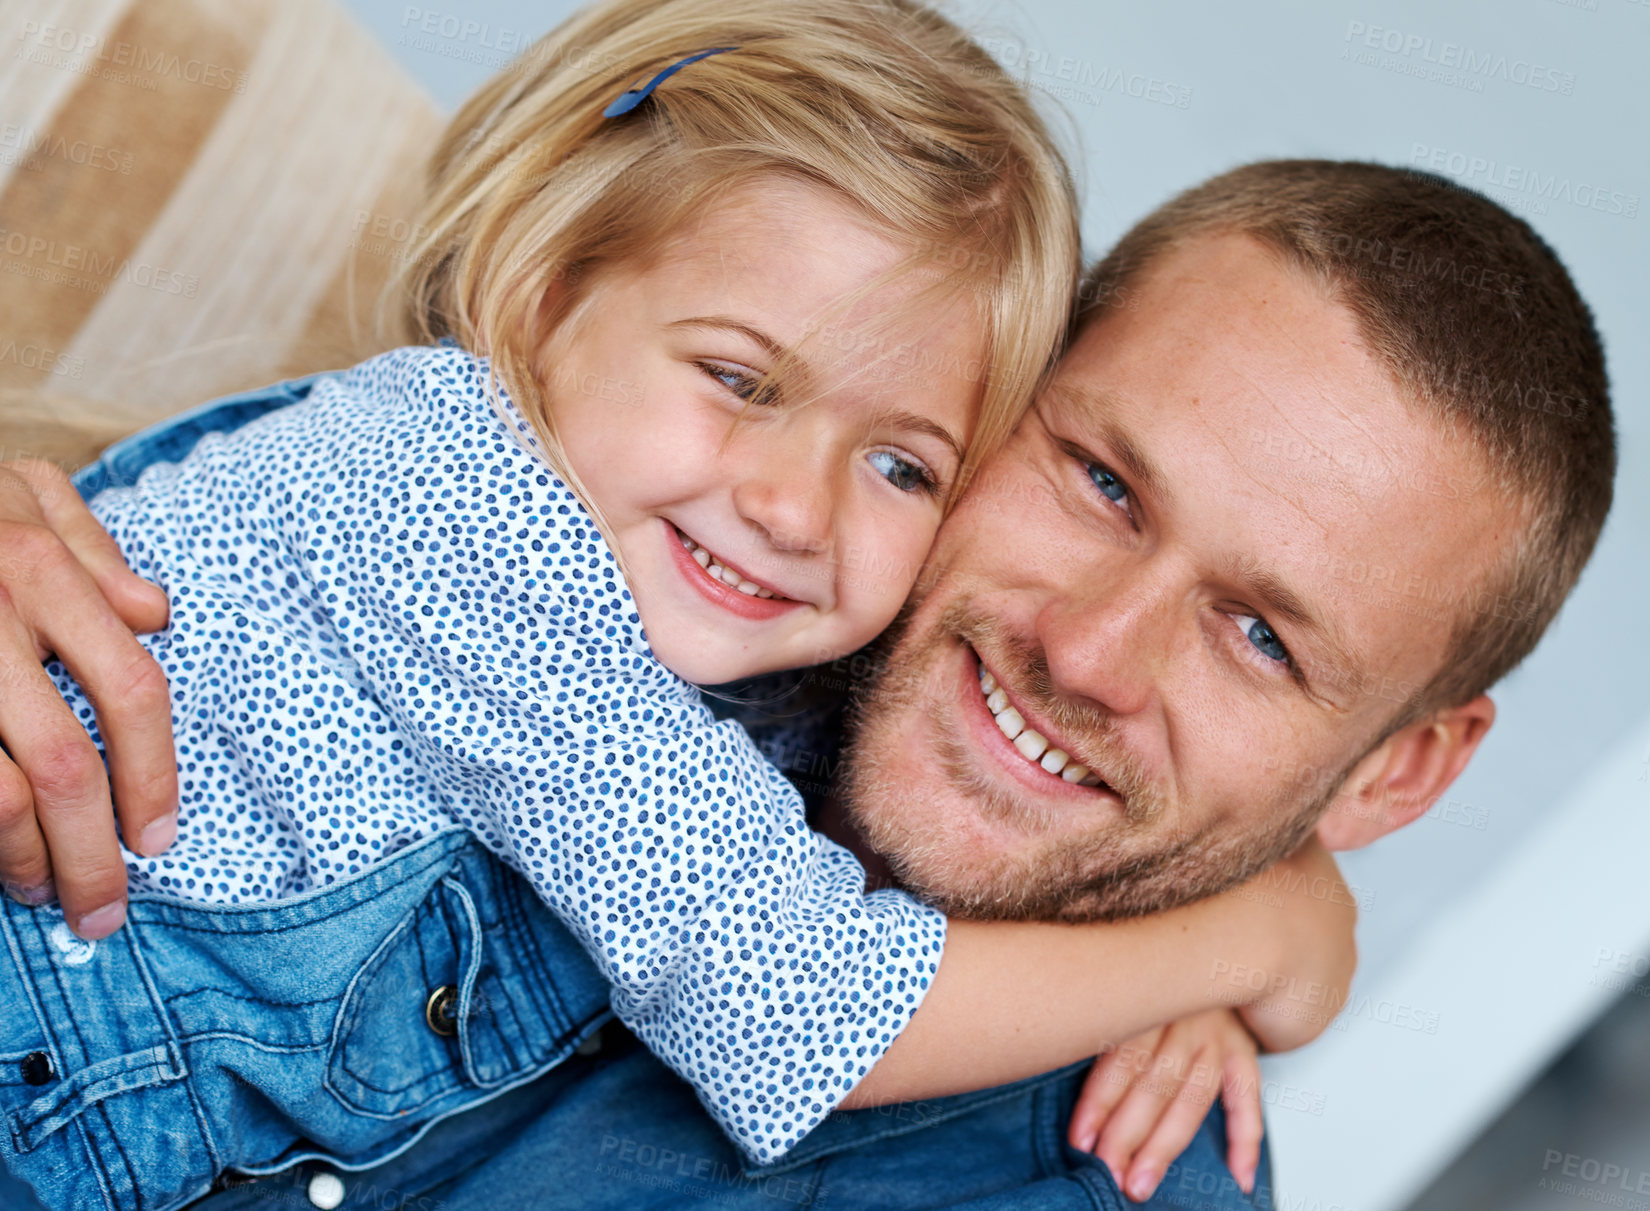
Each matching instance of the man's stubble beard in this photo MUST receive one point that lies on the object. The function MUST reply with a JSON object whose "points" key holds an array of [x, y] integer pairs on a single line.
{"points": [[1120, 868]]}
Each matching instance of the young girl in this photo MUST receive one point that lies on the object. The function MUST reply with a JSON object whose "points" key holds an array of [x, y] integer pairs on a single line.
{"points": [[709, 292]]}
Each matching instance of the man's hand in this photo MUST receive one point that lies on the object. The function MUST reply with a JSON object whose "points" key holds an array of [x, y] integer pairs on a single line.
{"points": [[65, 590], [1144, 1100]]}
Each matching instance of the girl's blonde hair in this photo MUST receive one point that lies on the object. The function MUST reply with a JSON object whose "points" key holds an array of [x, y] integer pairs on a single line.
{"points": [[884, 102]]}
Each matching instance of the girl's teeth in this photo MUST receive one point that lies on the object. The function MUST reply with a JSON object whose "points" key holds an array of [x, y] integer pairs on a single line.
{"points": [[1028, 741], [716, 571]]}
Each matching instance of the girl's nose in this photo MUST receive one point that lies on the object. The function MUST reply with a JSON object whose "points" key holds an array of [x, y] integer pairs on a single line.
{"points": [[790, 502]]}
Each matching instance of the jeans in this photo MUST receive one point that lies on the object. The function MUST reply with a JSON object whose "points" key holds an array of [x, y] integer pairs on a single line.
{"points": [[622, 1132]]}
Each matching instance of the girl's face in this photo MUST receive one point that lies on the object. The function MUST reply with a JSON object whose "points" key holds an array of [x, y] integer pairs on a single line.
{"points": [[792, 536]]}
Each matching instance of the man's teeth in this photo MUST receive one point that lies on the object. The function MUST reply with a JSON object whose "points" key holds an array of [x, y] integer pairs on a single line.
{"points": [[1030, 742], [727, 576]]}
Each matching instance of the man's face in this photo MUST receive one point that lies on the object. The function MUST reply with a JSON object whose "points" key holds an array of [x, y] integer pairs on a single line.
{"points": [[1194, 571]]}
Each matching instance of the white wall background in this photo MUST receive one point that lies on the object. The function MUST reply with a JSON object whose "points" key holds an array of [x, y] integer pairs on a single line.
{"points": [[1497, 918]]}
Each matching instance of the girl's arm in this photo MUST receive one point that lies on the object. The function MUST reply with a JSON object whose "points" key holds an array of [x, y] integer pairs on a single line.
{"points": [[767, 914], [1017, 999]]}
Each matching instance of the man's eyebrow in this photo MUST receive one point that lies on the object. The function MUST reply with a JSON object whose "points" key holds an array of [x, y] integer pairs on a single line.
{"points": [[728, 324], [1346, 662], [1094, 408]]}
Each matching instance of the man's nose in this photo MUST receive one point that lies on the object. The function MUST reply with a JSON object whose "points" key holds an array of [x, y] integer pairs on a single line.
{"points": [[788, 495], [1108, 639]]}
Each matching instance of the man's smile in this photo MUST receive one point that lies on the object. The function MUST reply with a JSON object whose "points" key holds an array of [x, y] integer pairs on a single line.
{"points": [[1029, 750], [1031, 744]]}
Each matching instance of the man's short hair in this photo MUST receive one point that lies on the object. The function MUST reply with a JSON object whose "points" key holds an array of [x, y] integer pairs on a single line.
{"points": [[1476, 320]]}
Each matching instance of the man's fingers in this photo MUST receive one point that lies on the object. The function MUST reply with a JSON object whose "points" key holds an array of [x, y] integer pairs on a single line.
{"points": [[25, 867], [140, 605], [1176, 1127], [1240, 1093], [72, 806], [69, 790], [118, 675], [134, 715], [98, 602]]}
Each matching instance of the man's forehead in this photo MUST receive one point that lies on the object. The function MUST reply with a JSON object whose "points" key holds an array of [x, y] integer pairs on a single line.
{"points": [[1225, 341]]}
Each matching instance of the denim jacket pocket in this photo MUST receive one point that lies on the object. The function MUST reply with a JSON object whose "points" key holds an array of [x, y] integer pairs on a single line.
{"points": [[387, 1056]]}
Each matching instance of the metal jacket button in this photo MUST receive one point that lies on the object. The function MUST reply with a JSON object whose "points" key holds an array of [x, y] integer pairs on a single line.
{"points": [[441, 1011]]}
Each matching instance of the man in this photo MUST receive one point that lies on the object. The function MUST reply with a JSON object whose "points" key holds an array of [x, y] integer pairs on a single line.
{"points": [[1294, 370]]}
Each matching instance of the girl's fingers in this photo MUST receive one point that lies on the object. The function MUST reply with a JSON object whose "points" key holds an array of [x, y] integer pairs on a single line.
{"points": [[1175, 1128], [1240, 1093], [1131, 1124], [140, 605], [1108, 1080]]}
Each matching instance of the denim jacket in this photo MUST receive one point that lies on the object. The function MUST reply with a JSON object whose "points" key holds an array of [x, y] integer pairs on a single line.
{"points": [[607, 1125]]}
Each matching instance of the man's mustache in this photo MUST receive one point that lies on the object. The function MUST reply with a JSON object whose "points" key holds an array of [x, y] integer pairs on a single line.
{"points": [[1083, 729]]}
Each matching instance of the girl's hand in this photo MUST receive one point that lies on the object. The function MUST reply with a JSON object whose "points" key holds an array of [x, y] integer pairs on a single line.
{"points": [[1145, 1099], [65, 589]]}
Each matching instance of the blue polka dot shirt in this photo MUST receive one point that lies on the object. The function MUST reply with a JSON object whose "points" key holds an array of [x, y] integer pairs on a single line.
{"points": [[390, 618]]}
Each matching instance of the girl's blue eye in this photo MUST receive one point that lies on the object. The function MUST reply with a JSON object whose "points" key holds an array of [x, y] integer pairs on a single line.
{"points": [[746, 386], [1263, 637], [1110, 486], [904, 474]]}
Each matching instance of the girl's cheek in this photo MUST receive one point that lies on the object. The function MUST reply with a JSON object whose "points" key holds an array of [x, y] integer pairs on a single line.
{"points": [[877, 567], [899, 574]]}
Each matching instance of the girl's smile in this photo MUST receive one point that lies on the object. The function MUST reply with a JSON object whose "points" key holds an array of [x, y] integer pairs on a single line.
{"points": [[723, 584]]}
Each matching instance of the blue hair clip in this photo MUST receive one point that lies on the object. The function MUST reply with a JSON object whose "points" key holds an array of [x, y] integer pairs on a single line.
{"points": [[629, 100]]}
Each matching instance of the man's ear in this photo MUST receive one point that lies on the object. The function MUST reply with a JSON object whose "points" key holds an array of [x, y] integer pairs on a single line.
{"points": [[1405, 775]]}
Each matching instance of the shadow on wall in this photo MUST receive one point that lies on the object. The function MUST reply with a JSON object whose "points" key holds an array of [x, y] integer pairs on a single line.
{"points": [[1578, 1137]]}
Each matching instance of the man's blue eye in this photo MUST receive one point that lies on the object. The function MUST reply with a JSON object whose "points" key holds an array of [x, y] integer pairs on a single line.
{"points": [[904, 474], [1110, 486], [1264, 638]]}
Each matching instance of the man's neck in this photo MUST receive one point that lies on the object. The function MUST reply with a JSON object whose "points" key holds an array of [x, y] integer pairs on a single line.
{"points": [[833, 821]]}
